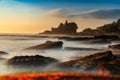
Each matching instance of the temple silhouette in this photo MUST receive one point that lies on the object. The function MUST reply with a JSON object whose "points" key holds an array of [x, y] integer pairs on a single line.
{"points": [[66, 28]]}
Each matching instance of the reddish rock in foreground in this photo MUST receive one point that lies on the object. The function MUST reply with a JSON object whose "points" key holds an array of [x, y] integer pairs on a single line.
{"points": [[59, 76]]}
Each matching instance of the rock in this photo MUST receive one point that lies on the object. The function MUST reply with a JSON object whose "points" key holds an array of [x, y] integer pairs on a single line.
{"points": [[77, 38], [112, 67], [79, 48], [111, 37], [31, 60], [89, 62], [67, 28], [48, 45], [98, 41], [114, 47], [3, 53]]}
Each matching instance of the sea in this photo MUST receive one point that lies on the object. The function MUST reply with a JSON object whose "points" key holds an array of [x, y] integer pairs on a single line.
{"points": [[15, 45]]}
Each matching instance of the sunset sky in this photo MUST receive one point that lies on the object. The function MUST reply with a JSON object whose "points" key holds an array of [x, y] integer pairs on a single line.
{"points": [[34, 16]]}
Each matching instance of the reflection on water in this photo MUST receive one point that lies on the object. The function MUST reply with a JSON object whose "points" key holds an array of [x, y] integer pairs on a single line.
{"points": [[14, 46]]}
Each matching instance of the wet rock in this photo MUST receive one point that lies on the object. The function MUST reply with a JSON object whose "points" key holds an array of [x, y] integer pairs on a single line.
{"points": [[98, 41], [89, 62], [112, 67], [114, 47], [3, 53], [111, 37], [48, 45], [31, 60], [77, 38]]}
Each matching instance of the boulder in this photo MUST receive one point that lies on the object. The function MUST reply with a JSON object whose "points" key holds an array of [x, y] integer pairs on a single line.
{"points": [[77, 38], [48, 45], [114, 47], [31, 60], [89, 62], [111, 37]]}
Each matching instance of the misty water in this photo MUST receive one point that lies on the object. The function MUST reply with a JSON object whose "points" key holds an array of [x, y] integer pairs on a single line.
{"points": [[15, 45]]}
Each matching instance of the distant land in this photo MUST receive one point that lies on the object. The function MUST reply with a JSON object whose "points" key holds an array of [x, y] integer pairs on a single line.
{"points": [[71, 29], [67, 28]]}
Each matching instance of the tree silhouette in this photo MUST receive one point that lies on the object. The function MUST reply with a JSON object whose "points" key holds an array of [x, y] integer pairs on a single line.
{"points": [[113, 27], [67, 28]]}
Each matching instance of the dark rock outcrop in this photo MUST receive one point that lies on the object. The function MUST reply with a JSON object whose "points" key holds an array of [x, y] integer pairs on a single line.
{"points": [[106, 29], [31, 60], [77, 38], [67, 28], [47, 45], [89, 31], [89, 62], [111, 37], [3, 53], [114, 47]]}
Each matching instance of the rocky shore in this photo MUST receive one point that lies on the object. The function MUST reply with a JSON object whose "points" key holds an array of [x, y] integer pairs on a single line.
{"points": [[103, 62], [97, 61]]}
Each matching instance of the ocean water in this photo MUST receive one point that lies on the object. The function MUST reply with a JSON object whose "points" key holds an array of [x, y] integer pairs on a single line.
{"points": [[15, 45]]}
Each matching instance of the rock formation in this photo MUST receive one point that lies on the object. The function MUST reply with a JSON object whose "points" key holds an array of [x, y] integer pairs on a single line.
{"points": [[91, 60], [67, 28], [109, 29], [110, 37], [31, 60], [47, 45]]}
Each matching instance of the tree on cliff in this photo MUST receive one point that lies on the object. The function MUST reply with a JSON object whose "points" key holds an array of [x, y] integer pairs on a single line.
{"points": [[113, 27]]}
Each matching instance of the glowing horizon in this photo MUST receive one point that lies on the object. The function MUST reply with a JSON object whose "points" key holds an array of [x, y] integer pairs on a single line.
{"points": [[34, 16]]}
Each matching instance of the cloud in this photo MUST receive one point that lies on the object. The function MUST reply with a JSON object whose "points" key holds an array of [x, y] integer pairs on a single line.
{"points": [[100, 14], [93, 14], [60, 13]]}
